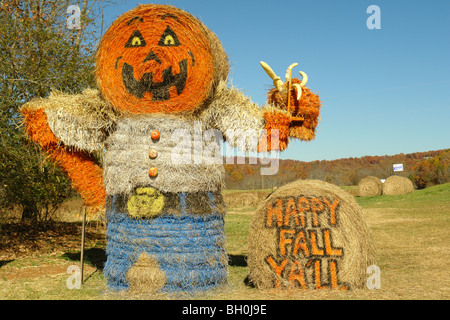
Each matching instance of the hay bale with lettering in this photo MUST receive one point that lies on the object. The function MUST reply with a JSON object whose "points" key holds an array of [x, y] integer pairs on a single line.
{"points": [[309, 234], [369, 187], [395, 185]]}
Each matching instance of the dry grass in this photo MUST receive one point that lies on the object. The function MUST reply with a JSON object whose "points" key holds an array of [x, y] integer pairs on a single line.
{"points": [[410, 234]]}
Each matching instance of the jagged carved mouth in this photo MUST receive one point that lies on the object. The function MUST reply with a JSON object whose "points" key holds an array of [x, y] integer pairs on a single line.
{"points": [[160, 90]]}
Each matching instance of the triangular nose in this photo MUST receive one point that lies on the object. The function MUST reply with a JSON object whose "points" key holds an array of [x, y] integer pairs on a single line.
{"points": [[152, 56]]}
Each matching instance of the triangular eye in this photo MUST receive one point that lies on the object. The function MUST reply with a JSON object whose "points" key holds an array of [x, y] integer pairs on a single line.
{"points": [[136, 40], [169, 38]]}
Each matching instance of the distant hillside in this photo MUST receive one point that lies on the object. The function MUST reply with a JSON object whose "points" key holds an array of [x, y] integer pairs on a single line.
{"points": [[341, 172]]}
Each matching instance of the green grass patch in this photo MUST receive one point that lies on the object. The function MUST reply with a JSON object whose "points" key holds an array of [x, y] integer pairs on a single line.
{"points": [[237, 230], [435, 195]]}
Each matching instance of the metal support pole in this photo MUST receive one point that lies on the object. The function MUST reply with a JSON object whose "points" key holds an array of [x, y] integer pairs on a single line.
{"points": [[82, 243]]}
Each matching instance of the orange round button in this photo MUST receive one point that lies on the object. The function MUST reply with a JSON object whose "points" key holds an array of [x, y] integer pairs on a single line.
{"points": [[153, 154], [153, 172], [154, 134]]}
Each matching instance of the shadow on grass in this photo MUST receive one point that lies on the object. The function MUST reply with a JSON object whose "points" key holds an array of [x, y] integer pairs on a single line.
{"points": [[97, 258], [94, 256], [5, 262], [237, 260], [240, 261]]}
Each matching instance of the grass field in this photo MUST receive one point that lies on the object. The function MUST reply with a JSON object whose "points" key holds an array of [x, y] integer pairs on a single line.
{"points": [[410, 233]]}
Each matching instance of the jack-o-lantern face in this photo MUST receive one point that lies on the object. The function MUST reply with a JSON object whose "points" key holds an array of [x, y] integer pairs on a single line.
{"points": [[156, 58]]}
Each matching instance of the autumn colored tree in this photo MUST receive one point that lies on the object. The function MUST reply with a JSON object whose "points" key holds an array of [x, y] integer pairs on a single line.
{"points": [[422, 174], [432, 171]]}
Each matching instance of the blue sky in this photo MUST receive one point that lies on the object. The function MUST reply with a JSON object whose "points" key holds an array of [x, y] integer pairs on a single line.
{"points": [[384, 91]]}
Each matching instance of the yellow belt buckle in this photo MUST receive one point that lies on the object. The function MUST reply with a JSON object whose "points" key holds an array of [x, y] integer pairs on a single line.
{"points": [[145, 203]]}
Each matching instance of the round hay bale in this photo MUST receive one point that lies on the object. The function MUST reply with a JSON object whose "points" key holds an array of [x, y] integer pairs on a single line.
{"points": [[241, 199], [395, 185], [369, 186], [312, 235]]}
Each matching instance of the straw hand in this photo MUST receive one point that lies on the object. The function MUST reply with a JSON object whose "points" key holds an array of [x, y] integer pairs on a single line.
{"points": [[287, 94]]}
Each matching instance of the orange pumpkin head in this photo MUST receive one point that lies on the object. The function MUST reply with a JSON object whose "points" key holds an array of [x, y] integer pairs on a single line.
{"points": [[157, 58]]}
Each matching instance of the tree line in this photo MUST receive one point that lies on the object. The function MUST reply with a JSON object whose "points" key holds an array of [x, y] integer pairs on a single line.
{"points": [[423, 168]]}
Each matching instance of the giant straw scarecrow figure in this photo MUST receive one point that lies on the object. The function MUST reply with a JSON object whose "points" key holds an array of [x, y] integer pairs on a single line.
{"points": [[161, 72]]}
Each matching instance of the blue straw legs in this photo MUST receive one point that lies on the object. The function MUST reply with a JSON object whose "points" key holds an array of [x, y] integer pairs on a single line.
{"points": [[187, 251]]}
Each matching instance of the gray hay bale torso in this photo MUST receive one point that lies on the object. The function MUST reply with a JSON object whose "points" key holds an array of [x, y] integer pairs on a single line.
{"points": [[180, 169], [87, 122]]}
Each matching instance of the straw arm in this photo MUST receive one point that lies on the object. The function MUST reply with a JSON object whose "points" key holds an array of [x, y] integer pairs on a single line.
{"points": [[85, 175], [242, 122], [237, 117]]}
